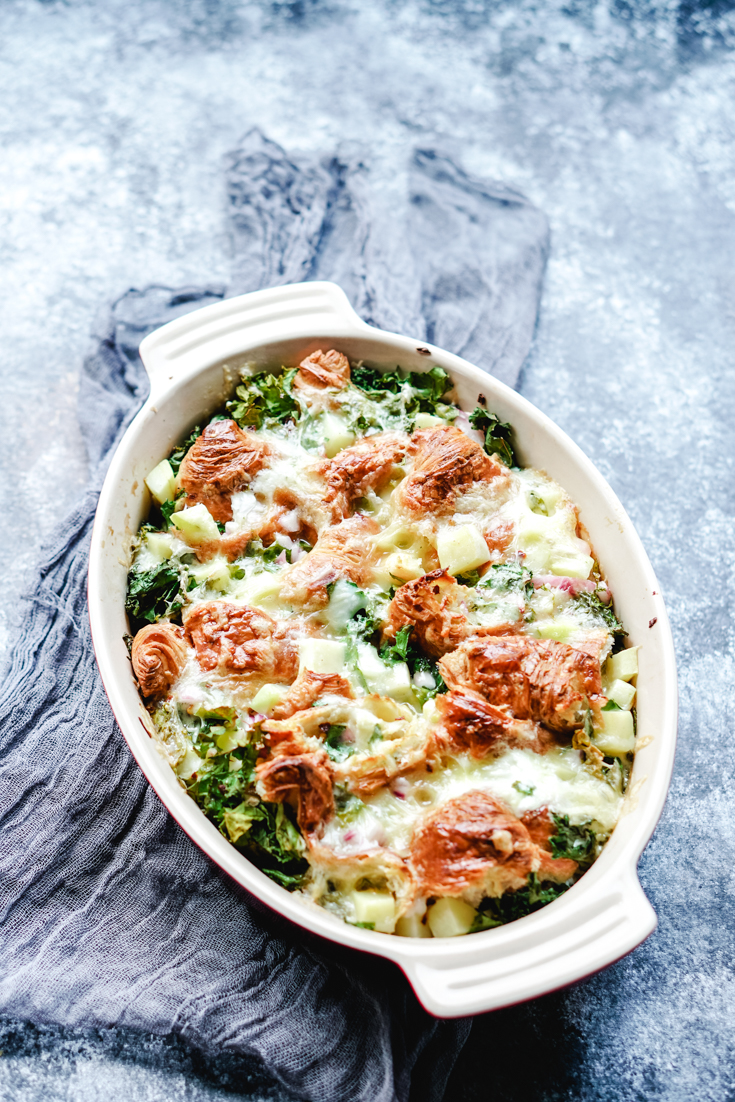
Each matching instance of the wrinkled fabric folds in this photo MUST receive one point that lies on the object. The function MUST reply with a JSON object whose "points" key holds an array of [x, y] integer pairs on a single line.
{"points": [[109, 915]]}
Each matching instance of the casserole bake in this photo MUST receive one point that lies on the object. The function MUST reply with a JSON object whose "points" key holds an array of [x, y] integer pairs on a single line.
{"points": [[194, 364]]}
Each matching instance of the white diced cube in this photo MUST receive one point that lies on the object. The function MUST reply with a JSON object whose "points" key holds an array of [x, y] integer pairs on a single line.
{"points": [[376, 908], [624, 664], [162, 482], [622, 693], [321, 655], [450, 917], [618, 734], [461, 549], [196, 524]]}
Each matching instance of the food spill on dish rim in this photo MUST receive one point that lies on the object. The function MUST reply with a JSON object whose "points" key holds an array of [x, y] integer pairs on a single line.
{"points": [[378, 653]]}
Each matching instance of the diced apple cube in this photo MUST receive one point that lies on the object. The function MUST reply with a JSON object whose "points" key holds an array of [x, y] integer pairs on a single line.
{"points": [[196, 524], [561, 630], [321, 656], [159, 545], [622, 693], [381, 677], [189, 764], [624, 664], [267, 697], [427, 421], [572, 566], [337, 435], [377, 908], [618, 734], [412, 926], [162, 482], [450, 917], [461, 549], [214, 574]]}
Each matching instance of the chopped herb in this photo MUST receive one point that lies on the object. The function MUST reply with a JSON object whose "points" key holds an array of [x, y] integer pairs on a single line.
{"points": [[364, 925], [336, 749], [398, 651], [256, 549], [168, 508], [401, 397], [377, 736], [513, 905], [524, 789], [498, 435], [471, 578], [509, 577], [577, 843], [153, 594], [606, 613], [611, 706], [265, 399]]}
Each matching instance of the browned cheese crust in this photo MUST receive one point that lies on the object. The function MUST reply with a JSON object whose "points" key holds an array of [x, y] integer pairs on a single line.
{"points": [[341, 551], [222, 460], [307, 689], [242, 640], [471, 725], [454, 849], [300, 779], [447, 461], [369, 465], [158, 656], [537, 679], [321, 370]]}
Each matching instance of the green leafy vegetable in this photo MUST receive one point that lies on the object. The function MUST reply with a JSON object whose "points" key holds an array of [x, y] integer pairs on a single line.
{"points": [[611, 706], [401, 397], [265, 399], [524, 789], [577, 843], [498, 435], [509, 577], [256, 549], [153, 594], [224, 790], [606, 613], [471, 578], [168, 508], [333, 744], [398, 651], [177, 455], [513, 905]]}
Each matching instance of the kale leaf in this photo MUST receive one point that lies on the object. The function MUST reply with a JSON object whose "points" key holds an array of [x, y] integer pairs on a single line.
{"points": [[265, 399], [606, 613], [177, 455], [498, 435], [513, 905], [228, 799], [398, 651], [403, 396], [337, 750], [153, 594], [577, 843], [509, 577]]}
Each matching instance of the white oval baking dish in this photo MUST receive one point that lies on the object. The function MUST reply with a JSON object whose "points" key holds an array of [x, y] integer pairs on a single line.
{"points": [[192, 364]]}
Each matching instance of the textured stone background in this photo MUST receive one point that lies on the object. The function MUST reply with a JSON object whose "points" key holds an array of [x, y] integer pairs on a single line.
{"points": [[616, 119]]}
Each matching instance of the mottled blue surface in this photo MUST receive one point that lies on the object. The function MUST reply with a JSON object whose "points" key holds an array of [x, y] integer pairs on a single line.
{"points": [[617, 120]]}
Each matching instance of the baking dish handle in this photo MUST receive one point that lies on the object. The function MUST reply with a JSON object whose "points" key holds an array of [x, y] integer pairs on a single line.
{"points": [[216, 332], [514, 963]]}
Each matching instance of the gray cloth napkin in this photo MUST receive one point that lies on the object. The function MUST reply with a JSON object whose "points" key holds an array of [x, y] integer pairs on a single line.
{"points": [[109, 915]]}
